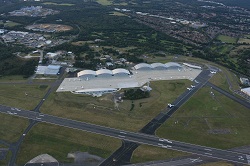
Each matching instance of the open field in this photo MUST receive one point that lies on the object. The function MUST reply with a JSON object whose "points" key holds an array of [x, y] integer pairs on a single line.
{"points": [[105, 2], [6, 160], [49, 28], [222, 163], [9, 23], [117, 14], [244, 41], [226, 39], [103, 111], [145, 153], [58, 4], [14, 95], [11, 127], [215, 119], [13, 78], [59, 141]]}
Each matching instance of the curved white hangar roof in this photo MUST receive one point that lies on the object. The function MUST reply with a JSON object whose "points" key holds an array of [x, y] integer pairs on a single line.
{"points": [[86, 72], [103, 71], [120, 71], [142, 65], [155, 65], [172, 64]]}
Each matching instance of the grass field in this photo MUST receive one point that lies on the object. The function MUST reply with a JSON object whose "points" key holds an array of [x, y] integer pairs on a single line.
{"points": [[102, 110], [105, 2], [222, 163], [146, 153], [244, 41], [59, 141], [227, 39], [5, 161], [11, 127], [14, 95], [13, 78], [203, 116], [117, 14], [58, 4]]}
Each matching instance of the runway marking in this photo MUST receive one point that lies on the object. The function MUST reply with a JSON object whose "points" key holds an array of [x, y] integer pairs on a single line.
{"points": [[248, 159], [208, 154], [121, 136], [123, 132], [208, 149]]}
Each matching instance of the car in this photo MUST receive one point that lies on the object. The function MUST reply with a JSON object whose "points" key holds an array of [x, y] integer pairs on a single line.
{"points": [[213, 72]]}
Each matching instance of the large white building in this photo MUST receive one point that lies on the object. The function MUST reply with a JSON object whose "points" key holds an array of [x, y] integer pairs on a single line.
{"points": [[48, 70], [104, 81], [103, 73], [246, 91], [158, 66]]}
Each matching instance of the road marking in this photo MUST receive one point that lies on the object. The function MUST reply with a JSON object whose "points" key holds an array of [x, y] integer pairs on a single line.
{"points": [[208, 149], [41, 115], [121, 136], [248, 159], [168, 146], [160, 144], [208, 154], [123, 132]]}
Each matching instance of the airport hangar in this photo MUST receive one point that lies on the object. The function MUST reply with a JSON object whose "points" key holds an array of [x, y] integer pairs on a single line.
{"points": [[103, 81]]}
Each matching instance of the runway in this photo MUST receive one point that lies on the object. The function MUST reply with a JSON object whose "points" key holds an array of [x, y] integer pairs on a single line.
{"points": [[130, 136]]}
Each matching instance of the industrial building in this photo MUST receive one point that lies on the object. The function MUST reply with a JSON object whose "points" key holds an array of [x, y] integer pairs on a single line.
{"points": [[48, 70], [87, 74], [103, 81], [246, 91], [158, 66]]}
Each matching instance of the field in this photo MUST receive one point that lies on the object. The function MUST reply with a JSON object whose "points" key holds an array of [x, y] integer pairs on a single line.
{"points": [[59, 141], [14, 95], [49, 27], [102, 110], [11, 127], [58, 4], [227, 39], [117, 14], [216, 120], [9, 24], [244, 41], [105, 2], [146, 153], [13, 78]]}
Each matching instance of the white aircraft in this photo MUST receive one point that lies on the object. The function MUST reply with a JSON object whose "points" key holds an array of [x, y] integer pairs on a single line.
{"points": [[192, 86], [213, 72], [196, 81], [188, 88], [170, 105]]}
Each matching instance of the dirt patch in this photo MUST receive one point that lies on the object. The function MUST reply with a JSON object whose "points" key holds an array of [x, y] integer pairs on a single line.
{"points": [[49, 27], [85, 158]]}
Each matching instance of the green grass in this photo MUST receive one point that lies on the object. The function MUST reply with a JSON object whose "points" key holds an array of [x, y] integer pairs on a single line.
{"points": [[203, 113], [227, 39], [5, 161], [105, 2], [11, 24], [103, 112], [11, 127], [14, 95], [58, 4], [59, 141], [12, 78], [145, 153], [244, 41], [117, 14]]}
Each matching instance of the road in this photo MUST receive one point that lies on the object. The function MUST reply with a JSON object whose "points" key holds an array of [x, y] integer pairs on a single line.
{"points": [[139, 138], [229, 95], [124, 153]]}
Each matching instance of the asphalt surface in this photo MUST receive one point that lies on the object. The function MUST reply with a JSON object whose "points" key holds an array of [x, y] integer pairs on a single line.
{"points": [[14, 147], [139, 138], [123, 155], [229, 95]]}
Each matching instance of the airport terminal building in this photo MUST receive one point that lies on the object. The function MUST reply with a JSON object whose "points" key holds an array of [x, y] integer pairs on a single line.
{"points": [[97, 83]]}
